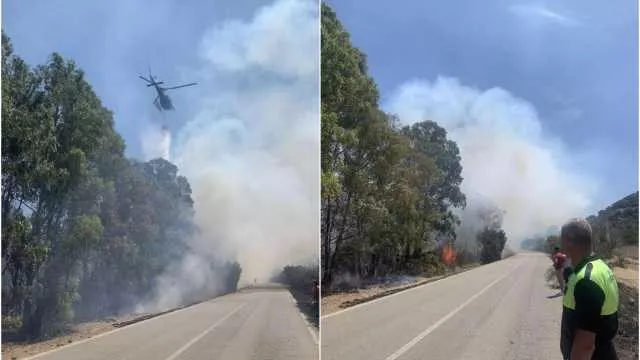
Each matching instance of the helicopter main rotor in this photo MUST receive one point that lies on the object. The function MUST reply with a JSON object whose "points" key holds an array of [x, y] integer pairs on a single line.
{"points": [[162, 100], [151, 82], [154, 83]]}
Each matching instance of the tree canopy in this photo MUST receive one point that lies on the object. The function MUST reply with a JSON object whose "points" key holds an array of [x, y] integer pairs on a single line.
{"points": [[389, 192], [84, 229]]}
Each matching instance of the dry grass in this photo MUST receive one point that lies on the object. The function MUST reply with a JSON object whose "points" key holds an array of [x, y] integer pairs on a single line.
{"points": [[20, 349], [338, 301]]}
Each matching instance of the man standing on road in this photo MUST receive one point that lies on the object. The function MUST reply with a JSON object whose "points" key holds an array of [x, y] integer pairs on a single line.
{"points": [[559, 264], [590, 302]]}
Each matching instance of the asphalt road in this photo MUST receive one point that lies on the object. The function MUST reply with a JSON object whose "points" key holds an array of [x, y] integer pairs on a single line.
{"points": [[498, 311], [261, 324]]}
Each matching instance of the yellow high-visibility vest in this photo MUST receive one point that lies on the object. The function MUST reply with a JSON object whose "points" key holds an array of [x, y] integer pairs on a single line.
{"points": [[598, 272]]}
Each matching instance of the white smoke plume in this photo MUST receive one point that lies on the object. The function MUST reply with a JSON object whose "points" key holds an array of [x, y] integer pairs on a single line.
{"points": [[251, 152], [507, 160], [156, 143]]}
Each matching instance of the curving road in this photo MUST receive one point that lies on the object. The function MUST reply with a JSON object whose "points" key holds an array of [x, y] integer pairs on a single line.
{"points": [[257, 324], [501, 311]]}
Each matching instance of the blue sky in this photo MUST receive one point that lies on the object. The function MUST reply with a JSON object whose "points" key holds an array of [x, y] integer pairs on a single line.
{"points": [[575, 62]]}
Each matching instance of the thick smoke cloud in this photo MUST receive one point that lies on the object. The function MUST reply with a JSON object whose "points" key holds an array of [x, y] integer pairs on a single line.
{"points": [[508, 161], [281, 38], [251, 151]]}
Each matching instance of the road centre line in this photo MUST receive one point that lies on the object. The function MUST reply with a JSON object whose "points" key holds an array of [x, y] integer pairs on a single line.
{"points": [[430, 329], [202, 334], [110, 332], [383, 298]]}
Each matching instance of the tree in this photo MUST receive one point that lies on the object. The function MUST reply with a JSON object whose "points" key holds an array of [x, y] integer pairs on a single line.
{"points": [[442, 192], [386, 192], [85, 231], [492, 243], [347, 95]]}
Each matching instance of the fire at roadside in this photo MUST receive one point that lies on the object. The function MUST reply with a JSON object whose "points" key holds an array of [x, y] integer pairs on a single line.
{"points": [[449, 255]]}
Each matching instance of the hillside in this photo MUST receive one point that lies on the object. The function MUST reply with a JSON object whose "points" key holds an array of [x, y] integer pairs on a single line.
{"points": [[616, 227]]}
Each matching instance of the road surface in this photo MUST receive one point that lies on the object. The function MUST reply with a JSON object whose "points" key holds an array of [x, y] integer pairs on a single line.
{"points": [[494, 312], [256, 324]]}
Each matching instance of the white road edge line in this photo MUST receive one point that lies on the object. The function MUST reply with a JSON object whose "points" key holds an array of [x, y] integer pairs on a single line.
{"points": [[429, 330], [309, 326], [116, 330], [202, 334], [405, 291], [313, 334]]}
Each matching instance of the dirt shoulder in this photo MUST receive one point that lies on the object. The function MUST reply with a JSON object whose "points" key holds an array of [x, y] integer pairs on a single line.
{"points": [[628, 273], [78, 332], [626, 341], [342, 300], [12, 349]]}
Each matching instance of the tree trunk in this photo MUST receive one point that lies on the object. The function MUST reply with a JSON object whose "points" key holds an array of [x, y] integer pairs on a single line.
{"points": [[326, 244], [341, 233]]}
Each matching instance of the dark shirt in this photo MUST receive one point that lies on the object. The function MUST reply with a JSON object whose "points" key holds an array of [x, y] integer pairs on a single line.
{"points": [[589, 299]]}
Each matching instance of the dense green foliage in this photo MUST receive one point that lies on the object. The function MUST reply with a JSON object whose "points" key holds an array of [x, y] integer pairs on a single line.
{"points": [[491, 239], [492, 243], [388, 192], [85, 231]]}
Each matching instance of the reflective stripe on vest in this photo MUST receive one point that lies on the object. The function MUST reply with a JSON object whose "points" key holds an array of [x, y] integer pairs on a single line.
{"points": [[598, 272]]}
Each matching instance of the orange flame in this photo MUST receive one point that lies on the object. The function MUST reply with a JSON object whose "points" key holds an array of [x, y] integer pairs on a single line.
{"points": [[448, 255]]}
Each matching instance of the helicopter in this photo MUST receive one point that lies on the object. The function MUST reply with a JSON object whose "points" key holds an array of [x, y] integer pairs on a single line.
{"points": [[162, 100]]}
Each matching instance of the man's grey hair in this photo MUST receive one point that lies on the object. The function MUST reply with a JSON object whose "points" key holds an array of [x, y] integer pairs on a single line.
{"points": [[578, 232]]}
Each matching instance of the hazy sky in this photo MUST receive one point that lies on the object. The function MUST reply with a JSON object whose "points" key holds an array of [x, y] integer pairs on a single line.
{"points": [[114, 41], [246, 138], [575, 62]]}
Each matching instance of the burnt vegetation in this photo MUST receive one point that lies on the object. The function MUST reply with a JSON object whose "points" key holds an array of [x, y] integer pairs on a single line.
{"points": [[85, 230], [302, 282]]}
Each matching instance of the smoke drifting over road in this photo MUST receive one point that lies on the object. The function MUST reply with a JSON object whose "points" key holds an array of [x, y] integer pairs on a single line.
{"points": [[251, 152], [507, 160]]}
